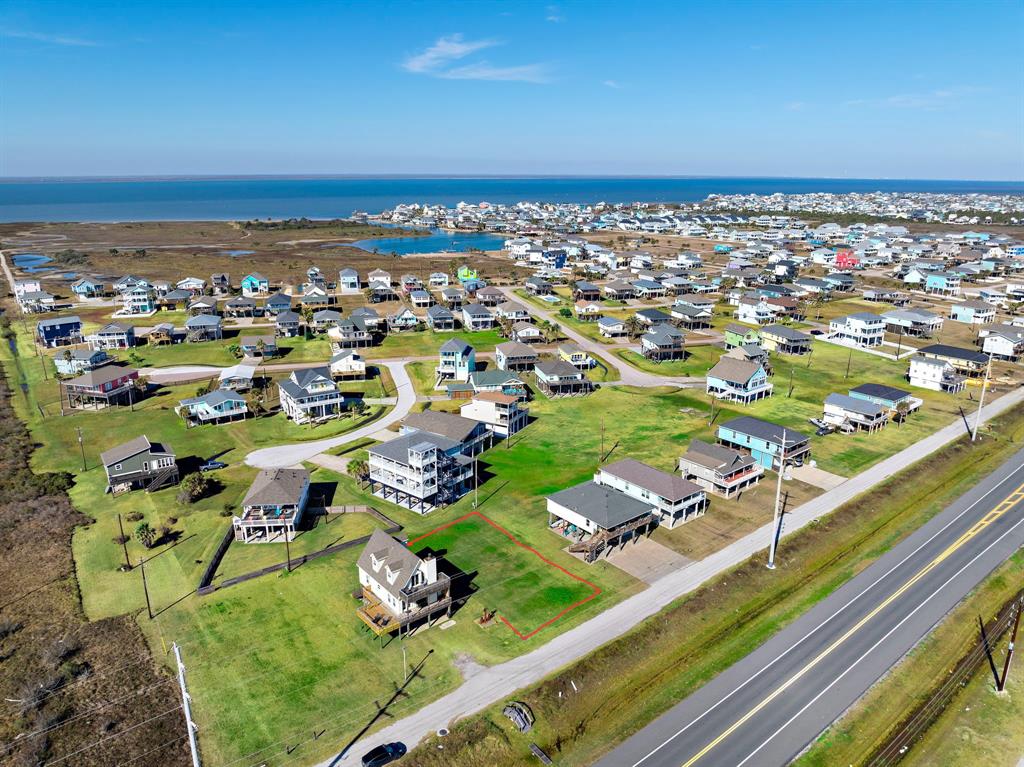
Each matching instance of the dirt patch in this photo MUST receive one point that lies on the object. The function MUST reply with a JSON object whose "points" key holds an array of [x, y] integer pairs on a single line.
{"points": [[76, 692]]}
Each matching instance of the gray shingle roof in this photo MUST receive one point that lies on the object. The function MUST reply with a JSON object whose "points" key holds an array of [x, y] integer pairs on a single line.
{"points": [[276, 487], [132, 447], [668, 486], [604, 506]]}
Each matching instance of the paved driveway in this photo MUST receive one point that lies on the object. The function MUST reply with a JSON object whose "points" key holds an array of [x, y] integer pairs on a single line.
{"points": [[812, 475], [647, 560]]}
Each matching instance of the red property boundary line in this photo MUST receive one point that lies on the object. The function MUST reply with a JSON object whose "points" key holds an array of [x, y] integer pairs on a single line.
{"points": [[596, 590]]}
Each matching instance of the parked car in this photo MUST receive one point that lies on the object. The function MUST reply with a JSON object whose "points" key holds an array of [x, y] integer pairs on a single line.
{"points": [[823, 431], [213, 466], [383, 754]]}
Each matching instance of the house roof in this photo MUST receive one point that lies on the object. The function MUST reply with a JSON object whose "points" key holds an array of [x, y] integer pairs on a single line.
{"points": [[132, 447], [202, 321], [604, 506], [58, 321], [268, 340], [100, 376], [783, 331], [476, 309], [455, 346], [214, 397], [855, 404], [766, 430], [394, 555], [398, 449], [954, 352], [306, 376], [496, 396], [515, 349], [734, 370], [276, 487], [881, 391], [558, 368], [716, 457], [238, 371], [449, 425], [668, 486]]}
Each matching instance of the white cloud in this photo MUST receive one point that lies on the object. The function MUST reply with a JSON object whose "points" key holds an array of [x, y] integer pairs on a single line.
{"points": [[611, 84], [439, 60], [443, 52], [524, 73], [939, 98], [796, 106], [554, 14], [50, 39]]}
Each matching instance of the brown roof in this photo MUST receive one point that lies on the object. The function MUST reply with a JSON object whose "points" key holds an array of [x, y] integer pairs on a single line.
{"points": [[100, 376], [668, 486], [734, 370], [496, 396]]}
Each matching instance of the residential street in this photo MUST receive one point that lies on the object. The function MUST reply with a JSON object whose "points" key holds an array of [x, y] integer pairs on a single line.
{"points": [[289, 455], [767, 707], [497, 682]]}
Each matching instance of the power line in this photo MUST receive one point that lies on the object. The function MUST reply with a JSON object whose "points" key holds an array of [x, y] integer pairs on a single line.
{"points": [[111, 737], [152, 750], [90, 712]]}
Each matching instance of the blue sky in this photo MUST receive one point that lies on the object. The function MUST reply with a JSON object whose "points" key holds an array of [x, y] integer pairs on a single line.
{"points": [[847, 89]]}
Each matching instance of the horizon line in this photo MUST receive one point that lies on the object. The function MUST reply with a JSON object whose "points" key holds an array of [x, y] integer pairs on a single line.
{"points": [[114, 178]]}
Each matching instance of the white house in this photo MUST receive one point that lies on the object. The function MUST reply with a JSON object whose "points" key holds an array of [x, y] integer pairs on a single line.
{"points": [[937, 375]]}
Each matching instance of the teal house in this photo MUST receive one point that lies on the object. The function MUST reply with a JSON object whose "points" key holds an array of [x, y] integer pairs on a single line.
{"points": [[767, 443]]}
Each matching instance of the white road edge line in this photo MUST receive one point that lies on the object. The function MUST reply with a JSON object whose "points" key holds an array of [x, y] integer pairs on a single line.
{"points": [[889, 633], [806, 636]]}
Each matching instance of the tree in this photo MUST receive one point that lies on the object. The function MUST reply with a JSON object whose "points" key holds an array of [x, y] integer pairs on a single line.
{"points": [[193, 487], [505, 327], [565, 311], [307, 315], [145, 535], [634, 327], [254, 401], [902, 410], [359, 469]]}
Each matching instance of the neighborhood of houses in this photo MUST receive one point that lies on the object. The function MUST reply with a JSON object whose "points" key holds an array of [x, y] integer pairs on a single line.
{"points": [[755, 297]]}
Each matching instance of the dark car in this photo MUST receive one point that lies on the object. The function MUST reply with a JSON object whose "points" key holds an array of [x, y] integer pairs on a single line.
{"points": [[823, 432], [385, 754], [213, 466]]}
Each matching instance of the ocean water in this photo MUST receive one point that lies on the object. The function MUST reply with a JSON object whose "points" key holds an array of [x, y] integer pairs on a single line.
{"points": [[246, 198]]}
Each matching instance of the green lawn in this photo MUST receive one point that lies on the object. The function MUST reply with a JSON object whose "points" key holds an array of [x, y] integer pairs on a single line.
{"points": [[426, 343], [699, 359]]}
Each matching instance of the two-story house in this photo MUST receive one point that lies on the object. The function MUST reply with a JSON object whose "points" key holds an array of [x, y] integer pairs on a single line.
{"points": [[513, 355], [138, 464], [768, 443], [310, 394], [58, 331], [273, 506], [558, 378], [719, 469], [217, 406], [934, 374], [115, 335], [737, 380], [663, 342], [399, 588], [101, 387], [860, 329], [854, 413], [785, 340], [502, 414], [477, 317], [675, 499]]}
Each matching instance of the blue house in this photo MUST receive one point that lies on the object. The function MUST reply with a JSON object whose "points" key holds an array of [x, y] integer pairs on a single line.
{"points": [[255, 284], [764, 441], [942, 283], [738, 380], [87, 288], [973, 312], [277, 303], [457, 361], [888, 397], [723, 248], [73, 362], [59, 331]]}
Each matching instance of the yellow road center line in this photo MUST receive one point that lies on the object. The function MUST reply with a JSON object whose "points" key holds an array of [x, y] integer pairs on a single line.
{"points": [[1004, 506]]}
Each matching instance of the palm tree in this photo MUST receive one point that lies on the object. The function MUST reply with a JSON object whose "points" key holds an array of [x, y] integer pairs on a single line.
{"points": [[634, 327], [902, 409], [359, 469]]}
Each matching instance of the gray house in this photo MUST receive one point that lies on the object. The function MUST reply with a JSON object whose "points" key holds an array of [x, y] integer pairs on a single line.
{"points": [[273, 506], [139, 464]]}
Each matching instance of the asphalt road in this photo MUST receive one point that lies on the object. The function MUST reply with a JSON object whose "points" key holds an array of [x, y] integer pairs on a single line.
{"points": [[768, 707]]}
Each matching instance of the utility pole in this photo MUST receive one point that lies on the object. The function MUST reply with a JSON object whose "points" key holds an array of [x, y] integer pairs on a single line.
{"points": [[287, 551], [849, 361], [81, 444], [790, 383], [405, 665], [124, 542], [186, 705], [899, 343], [778, 504], [145, 587], [476, 483], [600, 456], [981, 399], [1009, 649]]}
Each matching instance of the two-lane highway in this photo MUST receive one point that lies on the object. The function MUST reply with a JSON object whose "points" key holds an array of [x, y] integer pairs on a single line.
{"points": [[767, 707]]}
